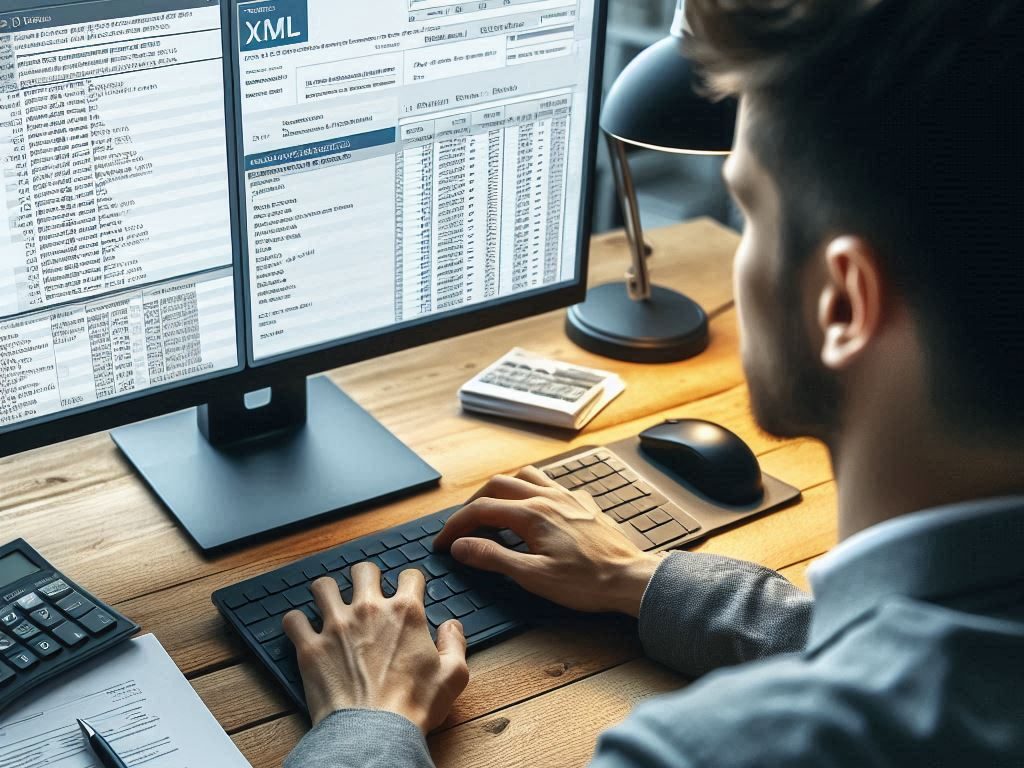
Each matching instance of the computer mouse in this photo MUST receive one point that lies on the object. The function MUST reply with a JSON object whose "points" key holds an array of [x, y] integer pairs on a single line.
{"points": [[709, 457]]}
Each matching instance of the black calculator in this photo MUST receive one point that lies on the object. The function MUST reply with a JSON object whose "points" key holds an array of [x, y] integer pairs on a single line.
{"points": [[48, 624]]}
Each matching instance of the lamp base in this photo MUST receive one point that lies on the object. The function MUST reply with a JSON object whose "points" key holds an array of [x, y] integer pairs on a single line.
{"points": [[663, 329]]}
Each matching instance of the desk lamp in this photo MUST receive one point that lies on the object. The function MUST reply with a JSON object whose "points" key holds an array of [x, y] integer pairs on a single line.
{"points": [[653, 104]]}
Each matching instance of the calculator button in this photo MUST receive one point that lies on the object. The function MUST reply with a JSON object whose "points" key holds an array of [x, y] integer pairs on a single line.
{"points": [[74, 605], [6, 643], [70, 634], [45, 646], [46, 617], [29, 602], [25, 630], [98, 621], [23, 660], [9, 617], [55, 589], [6, 675]]}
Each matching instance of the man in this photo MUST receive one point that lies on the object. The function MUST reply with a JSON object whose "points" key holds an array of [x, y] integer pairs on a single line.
{"points": [[879, 284]]}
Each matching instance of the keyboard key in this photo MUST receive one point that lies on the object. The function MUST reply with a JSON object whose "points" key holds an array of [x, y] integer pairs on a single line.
{"points": [[438, 590], [657, 499], [433, 526], [250, 614], [279, 649], [25, 630], [573, 465], [601, 470], [394, 558], [74, 605], [274, 584], [639, 539], [254, 592], [437, 614], [293, 577], [659, 516], [98, 621], [606, 502], [55, 589], [643, 505], [314, 571], [615, 464], [6, 674], [391, 577], [70, 634], [235, 599], [629, 493], [267, 629], [9, 617], [642, 523], [488, 618], [296, 596], [556, 472], [6, 643], [342, 580], [45, 646], [29, 602], [23, 660], [276, 604], [413, 533], [585, 475], [687, 521], [643, 487], [458, 605], [603, 455], [629, 475], [334, 563], [589, 460], [480, 599], [456, 583], [46, 617], [437, 565], [666, 533], [392, 539], [371, 548], [414, 551], [290, 669]]}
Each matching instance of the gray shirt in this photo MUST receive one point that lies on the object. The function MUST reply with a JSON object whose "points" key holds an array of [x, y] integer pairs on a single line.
{"points": [[912, 654]]}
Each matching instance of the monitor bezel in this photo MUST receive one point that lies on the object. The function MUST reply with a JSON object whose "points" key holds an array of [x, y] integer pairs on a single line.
{"points": [[100, 417]]}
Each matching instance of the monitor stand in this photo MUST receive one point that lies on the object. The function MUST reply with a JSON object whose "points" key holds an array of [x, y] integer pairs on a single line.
{"points": [[229, 472]]}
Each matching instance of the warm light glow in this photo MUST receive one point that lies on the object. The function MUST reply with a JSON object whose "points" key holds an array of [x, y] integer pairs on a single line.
{"points": [[673, 150]]}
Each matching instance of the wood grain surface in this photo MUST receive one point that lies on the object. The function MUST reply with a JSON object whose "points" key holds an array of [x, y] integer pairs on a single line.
{"points": [[537, 699]]}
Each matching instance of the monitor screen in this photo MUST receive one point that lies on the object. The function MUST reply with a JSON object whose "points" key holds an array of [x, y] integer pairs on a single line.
{"points": [[212, 189], [404, 159], [117, 266]]}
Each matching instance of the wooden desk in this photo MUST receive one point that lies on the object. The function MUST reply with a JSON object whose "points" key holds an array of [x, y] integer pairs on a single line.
{"points": [[538, 699]]}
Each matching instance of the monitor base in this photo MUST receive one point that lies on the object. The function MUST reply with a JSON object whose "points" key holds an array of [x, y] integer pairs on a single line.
{"points": [[336, 458]]}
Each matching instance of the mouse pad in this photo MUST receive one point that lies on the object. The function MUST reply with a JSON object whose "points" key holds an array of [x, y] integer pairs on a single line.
{"points": [[712, 515]]}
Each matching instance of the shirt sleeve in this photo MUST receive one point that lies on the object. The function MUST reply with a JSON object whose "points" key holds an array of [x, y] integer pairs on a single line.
{"points": [[701, 612], [362, 738]]}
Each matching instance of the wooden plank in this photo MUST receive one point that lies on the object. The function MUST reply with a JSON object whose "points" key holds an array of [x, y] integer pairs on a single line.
{"points": [[534, 733]]}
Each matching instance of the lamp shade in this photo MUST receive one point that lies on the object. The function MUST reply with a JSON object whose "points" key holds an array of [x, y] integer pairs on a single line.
{"points": [[654, 103]]}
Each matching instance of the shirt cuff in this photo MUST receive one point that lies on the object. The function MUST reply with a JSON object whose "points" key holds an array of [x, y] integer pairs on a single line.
{"points": [[362, 738]]}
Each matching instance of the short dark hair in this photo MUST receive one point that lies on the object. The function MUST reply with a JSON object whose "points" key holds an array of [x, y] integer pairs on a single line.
{"points": [[900, 121]]}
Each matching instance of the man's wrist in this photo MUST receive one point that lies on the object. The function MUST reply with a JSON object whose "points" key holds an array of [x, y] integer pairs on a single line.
{"points": [[630, 582]]}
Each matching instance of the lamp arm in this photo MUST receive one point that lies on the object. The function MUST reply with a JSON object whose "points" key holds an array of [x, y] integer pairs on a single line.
{"points": [[638, 277]]}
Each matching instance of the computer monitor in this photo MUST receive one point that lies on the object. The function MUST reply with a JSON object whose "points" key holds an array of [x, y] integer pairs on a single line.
{"points": [[207, 202]]}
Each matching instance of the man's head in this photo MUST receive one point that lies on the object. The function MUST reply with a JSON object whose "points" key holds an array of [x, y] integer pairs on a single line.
{"points": [[878, 163]]}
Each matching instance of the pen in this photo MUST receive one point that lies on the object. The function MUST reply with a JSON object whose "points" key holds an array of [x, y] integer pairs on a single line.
{"points": [[104, 752]]}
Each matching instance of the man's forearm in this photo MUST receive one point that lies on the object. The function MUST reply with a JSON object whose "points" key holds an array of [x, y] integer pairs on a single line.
{"points": [[362, 738], [701, 612]]}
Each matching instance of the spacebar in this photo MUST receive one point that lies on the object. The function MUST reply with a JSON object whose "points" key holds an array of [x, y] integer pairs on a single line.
{"points": [[484, 619]]}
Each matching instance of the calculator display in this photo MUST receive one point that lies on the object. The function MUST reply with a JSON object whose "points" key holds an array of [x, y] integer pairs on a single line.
{"points": [[15, 566]]}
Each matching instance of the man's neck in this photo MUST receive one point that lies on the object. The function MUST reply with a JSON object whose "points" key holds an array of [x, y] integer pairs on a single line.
{"points": [[882, 474]]}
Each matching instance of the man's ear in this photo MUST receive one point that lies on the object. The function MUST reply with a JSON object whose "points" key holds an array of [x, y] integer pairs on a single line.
{"points": [[850, 307]]}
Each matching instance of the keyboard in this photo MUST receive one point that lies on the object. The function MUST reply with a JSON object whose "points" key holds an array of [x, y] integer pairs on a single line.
{"points": [[488, 606], [48, 624]]}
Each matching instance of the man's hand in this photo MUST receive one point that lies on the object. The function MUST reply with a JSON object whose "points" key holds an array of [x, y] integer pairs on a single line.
{"points": [[577, 558], [377, 653]]}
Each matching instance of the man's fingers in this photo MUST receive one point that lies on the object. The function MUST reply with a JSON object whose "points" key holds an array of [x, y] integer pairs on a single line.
{"points": [[488, 555], [411, 584], [533, 475], [513, 488], [365, 582], [298, 628], [451, 647], [495, 513], [328, 597]]}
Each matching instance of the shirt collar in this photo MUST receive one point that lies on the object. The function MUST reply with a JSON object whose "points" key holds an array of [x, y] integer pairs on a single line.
{"points": [[935, 553]]}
